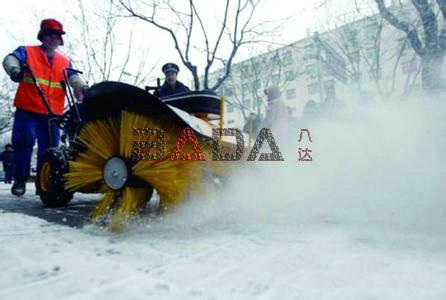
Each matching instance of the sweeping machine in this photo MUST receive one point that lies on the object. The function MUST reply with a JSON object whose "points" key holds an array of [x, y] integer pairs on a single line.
{"points": [[97, 153]]}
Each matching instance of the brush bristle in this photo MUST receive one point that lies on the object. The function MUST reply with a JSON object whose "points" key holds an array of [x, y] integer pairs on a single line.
{"points": [[104, 139]]}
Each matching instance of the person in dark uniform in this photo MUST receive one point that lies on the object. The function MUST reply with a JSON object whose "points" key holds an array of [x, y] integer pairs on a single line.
{"points": [[171, 85], [7, 157]]}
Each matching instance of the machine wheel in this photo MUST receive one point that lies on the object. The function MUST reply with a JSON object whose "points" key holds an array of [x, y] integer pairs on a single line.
{"points": [[50, 178]]}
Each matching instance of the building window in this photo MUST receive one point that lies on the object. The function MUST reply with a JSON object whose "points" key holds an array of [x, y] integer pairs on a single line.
{"points": [[256, 84], [255, 69], [313, 88], [355, 57], [289, 76], [247, 103], [246, 71], [275, 79], [287, 58], [352, 37], [275, 60], [256, 65], [229, 107], [371, 32], [311, 70], [245, 89], [310, 51], [291, 94]]}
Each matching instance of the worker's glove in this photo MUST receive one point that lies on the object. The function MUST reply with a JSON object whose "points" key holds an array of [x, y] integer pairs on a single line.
{"points": [[85, 89], [80, 94], [16, 75]]}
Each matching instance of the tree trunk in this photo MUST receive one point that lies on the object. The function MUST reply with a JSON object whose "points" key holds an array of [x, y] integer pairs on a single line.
{"points": [[431, 72], [193, 70]]}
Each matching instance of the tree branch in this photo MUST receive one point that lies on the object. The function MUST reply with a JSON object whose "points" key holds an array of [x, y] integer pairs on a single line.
{"points": [[211, 58], [408, 28], [237, 41], [151, 20], [429, 21], [442, 36]]}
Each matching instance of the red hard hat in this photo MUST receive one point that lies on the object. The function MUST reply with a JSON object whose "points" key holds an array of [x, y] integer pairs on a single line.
{"points": [[50, 25]]}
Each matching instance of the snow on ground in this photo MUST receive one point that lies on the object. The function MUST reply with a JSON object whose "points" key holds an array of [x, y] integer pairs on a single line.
{"points": [[354, 226], [45, 260]]}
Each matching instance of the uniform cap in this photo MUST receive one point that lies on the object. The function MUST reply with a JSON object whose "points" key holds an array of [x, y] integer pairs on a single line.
{"points": [[170, 67]]}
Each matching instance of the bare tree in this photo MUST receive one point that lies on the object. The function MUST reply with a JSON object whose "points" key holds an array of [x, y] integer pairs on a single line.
{"points": [[100, 56], [372, 51], [246, 84], [431, 48], [359, 46], [235, 29], [7, 89]]}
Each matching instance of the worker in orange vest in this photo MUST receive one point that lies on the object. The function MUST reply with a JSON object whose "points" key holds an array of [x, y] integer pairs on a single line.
{"points": [[31, 115]]}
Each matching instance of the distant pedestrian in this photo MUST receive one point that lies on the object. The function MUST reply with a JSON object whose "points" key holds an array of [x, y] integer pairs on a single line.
{"points": [[311, 111], [7, 157], [278, 114]]}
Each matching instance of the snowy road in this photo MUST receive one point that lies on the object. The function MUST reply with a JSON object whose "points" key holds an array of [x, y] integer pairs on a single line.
{"points": [[40, 258], [75, 215], [365, 220]]}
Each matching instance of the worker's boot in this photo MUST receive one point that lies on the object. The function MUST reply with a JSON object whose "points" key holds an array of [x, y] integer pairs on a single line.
{"points": [[18, 188]]}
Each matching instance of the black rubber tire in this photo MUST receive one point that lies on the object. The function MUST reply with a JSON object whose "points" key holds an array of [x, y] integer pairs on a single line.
{"points": [[55, 195]]}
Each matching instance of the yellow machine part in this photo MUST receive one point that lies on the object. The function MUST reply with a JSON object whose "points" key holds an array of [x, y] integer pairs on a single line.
{"points": [[104, 139]]}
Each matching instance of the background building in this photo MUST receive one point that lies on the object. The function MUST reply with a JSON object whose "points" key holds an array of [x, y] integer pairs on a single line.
{"points": [[363, 61]]}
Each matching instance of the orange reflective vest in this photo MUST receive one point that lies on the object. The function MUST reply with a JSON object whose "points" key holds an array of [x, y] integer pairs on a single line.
{"points": [[49, 78]]}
